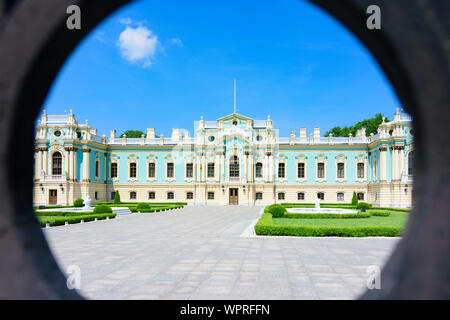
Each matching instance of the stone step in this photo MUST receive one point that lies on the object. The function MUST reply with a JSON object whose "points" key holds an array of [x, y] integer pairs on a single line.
{"points": [[121, 210]]}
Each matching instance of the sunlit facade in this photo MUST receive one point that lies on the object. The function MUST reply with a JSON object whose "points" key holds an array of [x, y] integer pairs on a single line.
{"points": [[234, 160]]}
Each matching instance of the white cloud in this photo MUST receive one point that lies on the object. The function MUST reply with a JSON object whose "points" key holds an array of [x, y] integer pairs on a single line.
{"points": [[177, 41], [138, 44]]}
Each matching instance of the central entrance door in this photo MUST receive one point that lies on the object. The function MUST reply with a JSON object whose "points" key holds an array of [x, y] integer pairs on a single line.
{"points": [[234, 198], [52, 198]]}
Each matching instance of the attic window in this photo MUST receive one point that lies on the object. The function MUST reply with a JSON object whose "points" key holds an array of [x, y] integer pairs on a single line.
{"points": [[235, 123], [211, 138], [57, 133]]}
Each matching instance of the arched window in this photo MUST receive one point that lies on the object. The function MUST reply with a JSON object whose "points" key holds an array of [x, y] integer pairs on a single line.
{"points": [[56, 164], [258, 170], [410, 162], [133, 195], [301, 196], [320, 196], [360, 171], [189, 195], [301, 170], [170, 195], [113, 170], [360, 196], [151, 195], [340, 196], [340, 170], [133, 167], [281, 170], [321, 170], [234, 167], [151, 169]]}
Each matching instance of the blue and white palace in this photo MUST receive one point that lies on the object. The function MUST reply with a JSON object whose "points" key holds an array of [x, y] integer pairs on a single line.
{"points": [[233, 160]]}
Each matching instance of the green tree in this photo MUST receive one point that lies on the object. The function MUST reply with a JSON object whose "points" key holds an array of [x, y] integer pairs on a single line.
{"points": [[133, 134], [354, 199], [371, 126], [116, 197]]}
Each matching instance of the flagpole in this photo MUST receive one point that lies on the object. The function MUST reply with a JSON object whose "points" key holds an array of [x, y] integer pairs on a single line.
{"points": [[234, 95]]}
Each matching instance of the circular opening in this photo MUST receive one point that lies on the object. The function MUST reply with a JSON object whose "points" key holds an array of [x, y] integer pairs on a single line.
{"points": [[57, 133], [211, 138]]}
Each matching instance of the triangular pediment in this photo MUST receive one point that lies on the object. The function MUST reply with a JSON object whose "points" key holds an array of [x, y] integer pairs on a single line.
{"points": [[233, 116]]}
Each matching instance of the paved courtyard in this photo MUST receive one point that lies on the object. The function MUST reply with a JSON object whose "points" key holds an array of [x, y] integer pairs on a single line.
{"points": [[199, 253]]}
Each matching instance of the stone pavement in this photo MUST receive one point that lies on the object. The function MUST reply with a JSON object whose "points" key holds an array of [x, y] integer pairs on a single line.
{"points": [[198, 253]]}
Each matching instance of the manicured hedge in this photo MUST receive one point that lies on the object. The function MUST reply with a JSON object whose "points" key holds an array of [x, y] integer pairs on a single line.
{"points": [[326, 215], [143, 205], [322, 205], [379, 213], [158, 209], [265, 226], [276, 210], [78, 202], [62, 213], [393, 209], [102, 209], [136, 203], [61, 220], [363, 205]]}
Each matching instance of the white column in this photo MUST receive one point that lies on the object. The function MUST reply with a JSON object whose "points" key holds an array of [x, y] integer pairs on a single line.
{"points": [[266, 168], [37, 164], [217, 167], [251, 170], [67, 163], [383, 163], [245, 176], [222, 161], [402, 161], [106, 167], [45, 162], [74, 164], [204, 167], [86, 163], [394, 163]]}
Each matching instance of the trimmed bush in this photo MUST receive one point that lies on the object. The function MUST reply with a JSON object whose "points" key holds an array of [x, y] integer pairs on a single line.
{"points": [[116, 197], [325, 215], [78, 203], [266, 227], [102, 209], [59, 221], [143, 205], [62, 213], [276, 210], [363, 205], [379, 213], [354, 199]]}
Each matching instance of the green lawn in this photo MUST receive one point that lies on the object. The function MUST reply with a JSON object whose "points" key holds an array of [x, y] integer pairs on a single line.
{"points": [[372, 226], [395, 219]]}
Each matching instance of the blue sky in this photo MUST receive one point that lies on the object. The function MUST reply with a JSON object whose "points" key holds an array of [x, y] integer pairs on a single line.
{"points": [[164, 64]]}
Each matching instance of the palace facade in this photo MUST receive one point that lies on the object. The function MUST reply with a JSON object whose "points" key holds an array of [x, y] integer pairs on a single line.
{"points": [[234, 160]]}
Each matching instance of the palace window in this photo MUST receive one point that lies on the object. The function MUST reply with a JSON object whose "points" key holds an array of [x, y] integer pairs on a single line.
{"points": [[234, 167], [113, 194], [133, 195], [151, 195], [321, 170], [96, 195], [258, 196], [113, 170], [189, 195], [97, 165], [210, 170], [410, 162], [340, 196], [57, 164], [170, 195], [360, 170], [301, 196], [210, 195], [189, 170], [281, 170], [258, 170], [280, 195], [301, 170], [320, 196], [151, 169], [360, 196], [170, 170], [133, 167], [340, 171]]}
